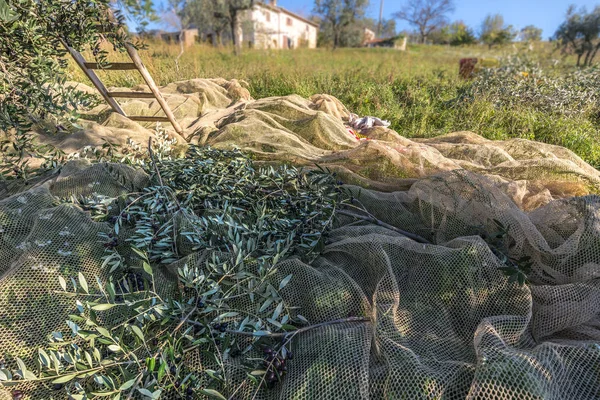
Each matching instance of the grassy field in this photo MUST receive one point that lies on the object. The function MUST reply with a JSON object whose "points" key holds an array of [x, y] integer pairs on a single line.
{"points": [[418, 90]]}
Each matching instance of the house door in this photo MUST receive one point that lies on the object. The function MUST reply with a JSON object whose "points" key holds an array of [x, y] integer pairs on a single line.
{"points": [[285, 43]]}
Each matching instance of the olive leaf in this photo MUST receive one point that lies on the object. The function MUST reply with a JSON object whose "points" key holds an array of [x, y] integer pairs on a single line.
{"points": [[6, 13], [213, 394]]}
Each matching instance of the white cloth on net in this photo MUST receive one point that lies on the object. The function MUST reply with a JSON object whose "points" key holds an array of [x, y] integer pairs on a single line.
{"points": [[361, 123]]}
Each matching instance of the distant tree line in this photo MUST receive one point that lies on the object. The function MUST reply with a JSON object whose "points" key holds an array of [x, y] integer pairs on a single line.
{"points": [[343, 23], [579, 34]]}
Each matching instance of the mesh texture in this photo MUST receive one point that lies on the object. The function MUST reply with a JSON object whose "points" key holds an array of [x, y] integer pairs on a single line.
{"points": [[444, 321]]}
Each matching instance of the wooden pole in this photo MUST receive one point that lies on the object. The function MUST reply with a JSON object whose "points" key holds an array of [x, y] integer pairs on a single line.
{"points": [[380, 20], [94, 78], [153, 88]]}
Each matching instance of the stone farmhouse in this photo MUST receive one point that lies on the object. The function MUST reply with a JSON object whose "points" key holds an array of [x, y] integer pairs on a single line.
{"points": [[268, 26], [265, 26]]}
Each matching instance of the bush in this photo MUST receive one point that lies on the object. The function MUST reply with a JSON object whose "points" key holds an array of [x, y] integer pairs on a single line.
{"points": [[32, 65]]}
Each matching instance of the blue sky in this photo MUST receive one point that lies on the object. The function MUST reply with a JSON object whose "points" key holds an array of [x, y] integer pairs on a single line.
{"points": [[545, 14]]}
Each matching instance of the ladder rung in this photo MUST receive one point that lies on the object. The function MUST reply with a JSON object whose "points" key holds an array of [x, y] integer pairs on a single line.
{"points": [[132, 95], [113, 66], [148, 118]]}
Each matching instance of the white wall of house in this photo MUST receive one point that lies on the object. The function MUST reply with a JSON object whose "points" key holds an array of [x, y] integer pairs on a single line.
{"points": [[271, 27]]}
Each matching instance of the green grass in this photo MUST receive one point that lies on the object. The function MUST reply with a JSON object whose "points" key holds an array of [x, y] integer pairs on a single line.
{"points": [[416, 90]]}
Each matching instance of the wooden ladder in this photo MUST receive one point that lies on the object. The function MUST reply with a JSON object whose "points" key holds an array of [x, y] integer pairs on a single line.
{"points": [[137, 64]]}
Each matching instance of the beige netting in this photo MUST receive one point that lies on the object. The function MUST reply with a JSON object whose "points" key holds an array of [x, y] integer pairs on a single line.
{"points": [[444, 321], [222, 114]]}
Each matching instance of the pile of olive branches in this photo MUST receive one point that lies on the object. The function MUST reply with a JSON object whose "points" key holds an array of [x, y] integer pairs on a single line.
{"points": [[127, 339], [523, 81]]}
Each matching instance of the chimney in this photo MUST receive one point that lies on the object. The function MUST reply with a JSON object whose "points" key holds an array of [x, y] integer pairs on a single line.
{"points": [[273, 3]]}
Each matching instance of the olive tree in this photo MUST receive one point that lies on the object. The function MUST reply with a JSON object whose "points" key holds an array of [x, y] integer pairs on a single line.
{"points": [[495, 32], [579, 34], [33, 36], [338, 16], [530, 34]]}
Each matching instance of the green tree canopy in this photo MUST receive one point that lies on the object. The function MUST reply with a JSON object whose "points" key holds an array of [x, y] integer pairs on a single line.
{"points": [[208, 15], [337, 19], [33, 36], [455, 34], [579, 34], [461, 34], [531, 34], [388, 26], [495, 32]]}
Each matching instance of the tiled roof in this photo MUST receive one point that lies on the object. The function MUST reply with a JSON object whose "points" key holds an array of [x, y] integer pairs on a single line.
{"points": [[283, 10]]}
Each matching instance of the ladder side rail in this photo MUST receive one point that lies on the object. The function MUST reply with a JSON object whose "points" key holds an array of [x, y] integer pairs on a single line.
{"points": [[153, 88], [94, 78]]}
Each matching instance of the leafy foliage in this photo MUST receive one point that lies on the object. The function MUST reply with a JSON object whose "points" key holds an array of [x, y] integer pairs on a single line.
{"points": [[32, 70], [580, 34], [495, 32], [217, 15], [531, 33], [499, 242], [133, 332], [337, 18], [455, 34], [522, 81]]}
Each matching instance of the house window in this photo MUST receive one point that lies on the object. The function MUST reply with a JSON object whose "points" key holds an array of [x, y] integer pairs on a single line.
{"points": [[289, 22], [307, 28], [268, 16]]}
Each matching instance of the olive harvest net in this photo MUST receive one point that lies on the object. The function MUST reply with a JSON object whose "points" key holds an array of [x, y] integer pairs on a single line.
{"points": [[442, 320]]}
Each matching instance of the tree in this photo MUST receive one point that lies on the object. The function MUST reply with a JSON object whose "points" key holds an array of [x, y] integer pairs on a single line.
{"points": [[201, 13], [176, 16], [440, 35], [579, 34], [426, 15], [461, 34], [338, 16], [33, 35], [215, 14], [140, 11], [531, 34], [231, 11], [387, 30], [455, 34], [495, 32]]}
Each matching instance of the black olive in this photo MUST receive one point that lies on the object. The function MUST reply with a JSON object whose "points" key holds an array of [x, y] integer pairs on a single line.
{"points": [[17, 395], [57, 386]]}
